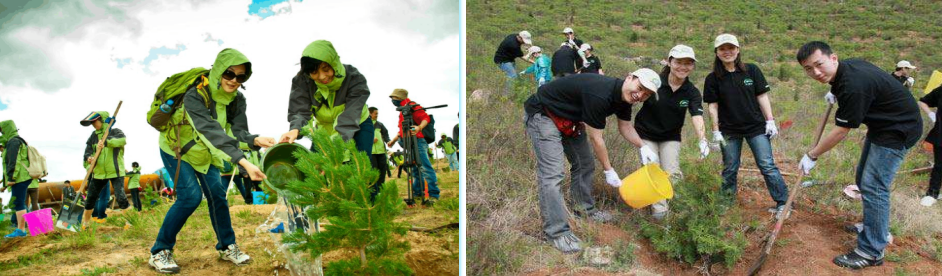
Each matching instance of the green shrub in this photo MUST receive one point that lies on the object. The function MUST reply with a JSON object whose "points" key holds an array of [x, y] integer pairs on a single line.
{"points": [[704, 224]]}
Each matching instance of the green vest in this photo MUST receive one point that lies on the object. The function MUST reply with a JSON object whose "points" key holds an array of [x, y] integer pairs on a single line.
{"points": [[326, 115], [447, 146], [19, 173], [378, 147], [135, 179], [202, 154]]}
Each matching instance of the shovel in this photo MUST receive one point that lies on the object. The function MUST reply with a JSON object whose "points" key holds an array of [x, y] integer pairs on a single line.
{"points": [[770, 240], [70, 216]]}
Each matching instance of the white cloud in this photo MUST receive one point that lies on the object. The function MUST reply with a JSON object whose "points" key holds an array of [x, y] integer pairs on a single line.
{"points": [[389, 56]]}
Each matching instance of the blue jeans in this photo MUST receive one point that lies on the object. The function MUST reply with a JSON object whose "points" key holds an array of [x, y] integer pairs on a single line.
{"points": [[240, 184], [189, 195], [762, 150], [18, 191], [453, 161], [511, 72], [875, 173], [101, 205], [428, 173]]}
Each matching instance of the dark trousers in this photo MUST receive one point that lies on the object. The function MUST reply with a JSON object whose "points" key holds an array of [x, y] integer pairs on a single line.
{"points": [[97, 185], [136, 198], [935, 178], [379, 162]]}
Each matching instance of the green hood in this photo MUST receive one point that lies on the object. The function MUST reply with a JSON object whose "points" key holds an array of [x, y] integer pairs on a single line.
{"points": [[104, 115], [8, 128], [324, 51], [226, 58]]}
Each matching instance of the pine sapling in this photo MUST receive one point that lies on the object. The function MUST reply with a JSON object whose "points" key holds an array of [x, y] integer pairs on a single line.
{"points": [[336, 188]]}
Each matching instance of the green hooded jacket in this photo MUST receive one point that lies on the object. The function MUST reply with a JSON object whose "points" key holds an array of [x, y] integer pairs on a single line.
{"points": [[339, 105], [204, 140], [14, 155], [446, 145], [110, 163], [134, 178]]}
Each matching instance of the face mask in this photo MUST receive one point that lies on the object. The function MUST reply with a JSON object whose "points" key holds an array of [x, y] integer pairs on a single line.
{"points": [[396, 102]]}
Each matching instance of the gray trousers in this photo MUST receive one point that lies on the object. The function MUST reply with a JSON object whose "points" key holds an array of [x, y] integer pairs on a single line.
{"points": [[550, 147]]}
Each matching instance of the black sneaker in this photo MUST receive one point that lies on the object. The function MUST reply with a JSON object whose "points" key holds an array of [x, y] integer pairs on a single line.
{"points": [[855, 261]]}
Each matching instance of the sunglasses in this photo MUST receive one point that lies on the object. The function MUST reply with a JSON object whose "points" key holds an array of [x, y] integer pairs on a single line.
{"points": [[229, 75]]}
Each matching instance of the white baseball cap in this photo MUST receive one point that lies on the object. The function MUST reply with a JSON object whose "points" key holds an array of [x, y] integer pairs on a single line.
{"points": [[533, 49], [682, 51], [567, 30], [525, 35], [724, 39], [649, 79], [905, 64], [585, 46]]}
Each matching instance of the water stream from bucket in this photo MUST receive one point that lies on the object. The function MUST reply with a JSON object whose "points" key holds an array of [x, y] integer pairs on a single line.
{"points": [[299, 263]]}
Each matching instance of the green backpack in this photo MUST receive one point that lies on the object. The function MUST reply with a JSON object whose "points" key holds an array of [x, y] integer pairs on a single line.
{"points": [[171, 91]]}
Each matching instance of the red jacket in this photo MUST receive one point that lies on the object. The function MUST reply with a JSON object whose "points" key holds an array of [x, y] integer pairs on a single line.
{"points": [[417, 116]]}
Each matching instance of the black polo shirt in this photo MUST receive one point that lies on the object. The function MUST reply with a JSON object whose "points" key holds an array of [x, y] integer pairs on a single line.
{"points": [[735, 94], [588, 98], [934, 99], [508, 50], [868, 95], [594, 65], [564, 61], [661, 120]]}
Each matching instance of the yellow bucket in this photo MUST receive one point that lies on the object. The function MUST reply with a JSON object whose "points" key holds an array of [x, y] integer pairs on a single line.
{"points": [[644, 187]]}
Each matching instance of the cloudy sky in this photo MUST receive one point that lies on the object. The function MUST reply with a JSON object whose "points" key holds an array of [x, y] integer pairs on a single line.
{"points": [[59, 61]]}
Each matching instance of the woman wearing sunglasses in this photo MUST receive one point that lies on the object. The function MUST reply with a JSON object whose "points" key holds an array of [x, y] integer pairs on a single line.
{"points": [[204, 135], [333, 95]]}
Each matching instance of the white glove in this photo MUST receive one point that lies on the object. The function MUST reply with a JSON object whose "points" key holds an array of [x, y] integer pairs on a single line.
{"points": [[830, 98], [648, 155], [522, 72], [586, 63], [718, 138], [611, 177], [704, 148], [771, 129], [806, 164], [910, 81], [932, 116]]}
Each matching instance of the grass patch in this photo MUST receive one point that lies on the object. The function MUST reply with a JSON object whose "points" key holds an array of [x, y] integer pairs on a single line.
{"points": [[40, 258], [97, 271]]}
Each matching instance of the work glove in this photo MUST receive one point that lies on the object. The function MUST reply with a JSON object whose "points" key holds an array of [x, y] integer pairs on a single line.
{"points": [[806, 164], [648, 155], [830, 98], [771, 129], [932, 116], [586, 63], [704, 148], [611, 177], [718, 138], [522, 72], [910, 81]]}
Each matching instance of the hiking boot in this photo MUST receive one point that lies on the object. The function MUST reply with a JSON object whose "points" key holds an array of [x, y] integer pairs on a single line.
{"points": [[567, 243], [16, 234], [927, 201], [855, 261], [163, 262], [779, 210], [234, 255]]}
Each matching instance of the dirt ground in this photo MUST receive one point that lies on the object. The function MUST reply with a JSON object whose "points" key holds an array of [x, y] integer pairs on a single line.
{"points": [[807, 244], [429, 254]]}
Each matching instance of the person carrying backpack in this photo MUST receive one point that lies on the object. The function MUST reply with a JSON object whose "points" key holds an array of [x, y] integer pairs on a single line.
{"points": [[400, 98], [448, 146], [15, 175], [109, 167], [210, 105], [134, 184]]}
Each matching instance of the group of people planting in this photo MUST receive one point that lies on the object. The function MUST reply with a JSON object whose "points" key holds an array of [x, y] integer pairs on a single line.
{"points": [[566, 116], [205, 143]]}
